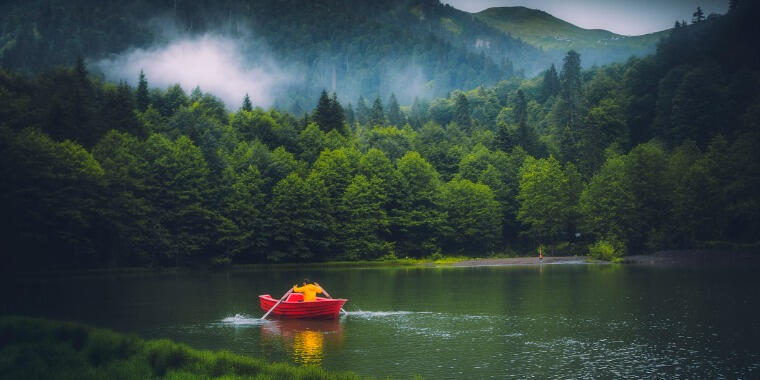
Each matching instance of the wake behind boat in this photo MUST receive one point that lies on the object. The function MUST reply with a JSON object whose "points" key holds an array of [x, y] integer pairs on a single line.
{"points": [[295, 307]]}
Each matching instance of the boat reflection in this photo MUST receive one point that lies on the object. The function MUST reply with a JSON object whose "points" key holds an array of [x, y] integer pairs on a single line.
{"points": [[305, 339]]}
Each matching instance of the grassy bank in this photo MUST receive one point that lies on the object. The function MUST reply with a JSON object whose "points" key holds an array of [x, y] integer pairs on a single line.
{"points": [[384, 262], [33, 348]]}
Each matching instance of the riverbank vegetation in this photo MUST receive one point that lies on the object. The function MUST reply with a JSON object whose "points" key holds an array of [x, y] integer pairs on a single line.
{"points": [[38, 349], [659, 152]]}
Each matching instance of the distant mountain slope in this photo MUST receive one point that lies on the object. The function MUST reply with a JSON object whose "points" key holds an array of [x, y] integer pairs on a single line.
{"points": [[547, 32], [353, 47]]}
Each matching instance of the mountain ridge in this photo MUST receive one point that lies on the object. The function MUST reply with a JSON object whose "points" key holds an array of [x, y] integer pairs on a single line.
{"points": [[550, 33], [410, 47]]}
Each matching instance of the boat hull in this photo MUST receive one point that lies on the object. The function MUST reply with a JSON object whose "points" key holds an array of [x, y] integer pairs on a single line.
{"points": [[294, 307]]}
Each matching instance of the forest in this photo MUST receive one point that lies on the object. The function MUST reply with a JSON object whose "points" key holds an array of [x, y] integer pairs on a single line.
{"points": [[656, 153], [350, 47]]}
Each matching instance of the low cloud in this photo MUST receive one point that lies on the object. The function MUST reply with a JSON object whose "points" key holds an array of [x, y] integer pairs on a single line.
{"points": [[218, 64]]}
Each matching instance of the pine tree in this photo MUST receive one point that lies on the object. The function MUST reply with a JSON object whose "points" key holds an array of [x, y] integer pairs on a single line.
{"points": [[698, 16], [247, 105], [567, 110], [196, 95], [119, 111], [550, 85], [350, 117], [362, 111], [323, 113], [395, 117], [329, 114], [520, 108], [570, 79], [141, 95], [377, 116], [82, 107], [462, 111], [504, 138], [337, 116]]}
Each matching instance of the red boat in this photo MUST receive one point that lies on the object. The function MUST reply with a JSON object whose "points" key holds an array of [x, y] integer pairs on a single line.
{"points": [[294, 307]]}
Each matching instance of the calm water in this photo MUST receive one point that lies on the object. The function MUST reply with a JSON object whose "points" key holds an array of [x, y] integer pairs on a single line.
{"points": [[563, 321]]}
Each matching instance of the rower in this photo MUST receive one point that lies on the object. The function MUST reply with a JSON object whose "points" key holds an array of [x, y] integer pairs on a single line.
{"points": [[308, 289]]}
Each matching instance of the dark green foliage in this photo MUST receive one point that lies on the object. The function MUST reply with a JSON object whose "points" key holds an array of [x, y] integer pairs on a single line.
{"points": [[604, 125], [362, 111], [364, 221], [300, 219], [51, 193], [656, 153], [174, 98], [608, 204], [323, 112], [646, 168], [462, 111], [393, 141], [473, 215], [550, 84], [376, 116], [36, 348], [520, 108], [395, 117], [568, 108], [365, 45], [418, 221], [697, 106], [247, 105], [329, 114], [350, 115], [548, 198], [117, 110], [141, 95]]}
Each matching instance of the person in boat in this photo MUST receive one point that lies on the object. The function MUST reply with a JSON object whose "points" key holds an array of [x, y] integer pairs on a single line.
{"points": [[540, 255], [308, 289]]}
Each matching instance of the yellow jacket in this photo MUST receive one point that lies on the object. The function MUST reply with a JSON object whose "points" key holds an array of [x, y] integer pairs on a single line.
{"points": [[309, 291]]}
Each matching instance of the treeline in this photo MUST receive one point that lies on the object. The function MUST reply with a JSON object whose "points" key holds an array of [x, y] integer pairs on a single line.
{"points": [[626, 158]]}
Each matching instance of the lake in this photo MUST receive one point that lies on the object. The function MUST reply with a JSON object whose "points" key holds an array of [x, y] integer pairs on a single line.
{"points": [[557, 321]]}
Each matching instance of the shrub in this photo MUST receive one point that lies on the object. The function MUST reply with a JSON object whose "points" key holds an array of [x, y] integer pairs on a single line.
{"points": [[607, 249]]}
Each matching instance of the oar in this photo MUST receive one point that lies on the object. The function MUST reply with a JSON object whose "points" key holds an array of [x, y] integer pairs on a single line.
{"points": [[278, 302], [328, 296]]}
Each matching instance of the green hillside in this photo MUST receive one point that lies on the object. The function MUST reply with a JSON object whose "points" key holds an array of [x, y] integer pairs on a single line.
{"points": [[547, 32], [350, 47]]}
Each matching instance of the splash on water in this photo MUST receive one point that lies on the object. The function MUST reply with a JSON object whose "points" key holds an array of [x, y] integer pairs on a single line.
{"points": [[380, 314], [243, 320]]}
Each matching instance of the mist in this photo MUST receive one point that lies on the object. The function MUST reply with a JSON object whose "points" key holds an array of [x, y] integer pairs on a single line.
{"points": [[216, 63]]}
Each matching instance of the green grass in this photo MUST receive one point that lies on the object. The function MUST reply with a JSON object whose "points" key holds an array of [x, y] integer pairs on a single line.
{"points": [[451, 25], [386, 262], [32, 348], [541, 29]]}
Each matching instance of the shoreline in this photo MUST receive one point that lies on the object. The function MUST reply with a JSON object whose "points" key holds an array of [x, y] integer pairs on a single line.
{"points": [[671, 257], [527, 260]]}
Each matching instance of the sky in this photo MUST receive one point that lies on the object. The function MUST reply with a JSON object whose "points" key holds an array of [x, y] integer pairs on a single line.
{"points": [[627, 17]]}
